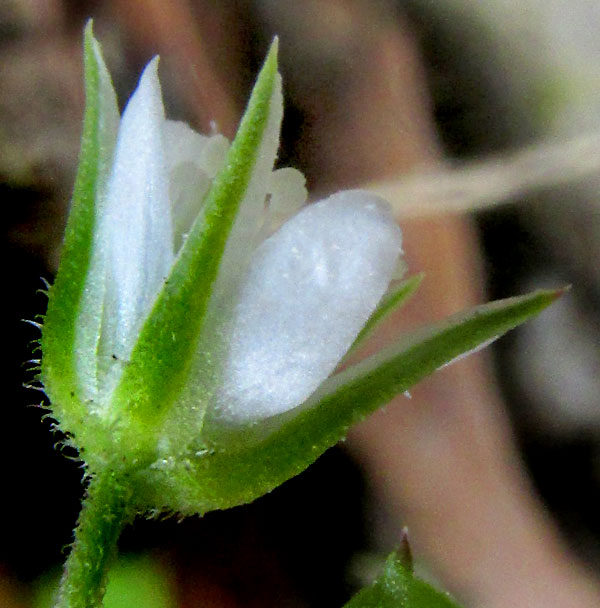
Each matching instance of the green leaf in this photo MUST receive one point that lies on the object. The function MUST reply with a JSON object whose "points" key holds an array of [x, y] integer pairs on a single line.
{"points": [[255, 462], [399, 588], [161, 359], [59, 370], [391, 302]]}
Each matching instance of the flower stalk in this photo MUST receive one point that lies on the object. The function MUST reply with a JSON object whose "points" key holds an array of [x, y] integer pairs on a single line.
{"points": [[106, 510]]}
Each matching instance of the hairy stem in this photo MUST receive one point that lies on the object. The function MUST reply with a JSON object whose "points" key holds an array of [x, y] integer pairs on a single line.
{"points": [[106, 510]]}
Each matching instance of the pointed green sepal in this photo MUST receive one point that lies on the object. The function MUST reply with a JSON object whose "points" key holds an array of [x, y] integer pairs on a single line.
{"points": [[397, 587], [391, 302], [215, 477], [160, 362], [101, 118]]}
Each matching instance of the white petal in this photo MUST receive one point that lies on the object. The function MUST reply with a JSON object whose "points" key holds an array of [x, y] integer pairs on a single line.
{"points": [[192, 160], [309, 290], [183, 144], [215, 154], [136, 233], [188, 186]]}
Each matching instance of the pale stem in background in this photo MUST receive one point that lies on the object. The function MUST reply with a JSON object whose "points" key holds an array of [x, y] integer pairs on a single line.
{"points": [[490, 182]]}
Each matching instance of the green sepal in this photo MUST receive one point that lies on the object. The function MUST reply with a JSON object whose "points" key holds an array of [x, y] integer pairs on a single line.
{"points": [[256, 461], [390, 303], [397, 587], [59, 370], [160, 360]]}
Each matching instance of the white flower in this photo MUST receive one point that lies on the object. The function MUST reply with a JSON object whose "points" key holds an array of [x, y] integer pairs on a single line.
{"points": [[283, 311], [188, 343]]}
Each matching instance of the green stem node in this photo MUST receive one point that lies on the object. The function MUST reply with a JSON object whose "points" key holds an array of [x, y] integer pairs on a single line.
{"points": [[106, 510]]}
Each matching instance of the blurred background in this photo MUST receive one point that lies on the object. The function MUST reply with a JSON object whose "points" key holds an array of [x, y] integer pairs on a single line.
{"points": [[494, 464]]}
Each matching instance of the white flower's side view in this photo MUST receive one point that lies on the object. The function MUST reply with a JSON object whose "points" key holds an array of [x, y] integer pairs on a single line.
{"points": [[201, 309], [319, 276]]}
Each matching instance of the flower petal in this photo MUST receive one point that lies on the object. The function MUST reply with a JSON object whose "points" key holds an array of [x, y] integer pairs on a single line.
{"points": [[183, 144], [135, 236], [192, 161], [309, 290]]}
